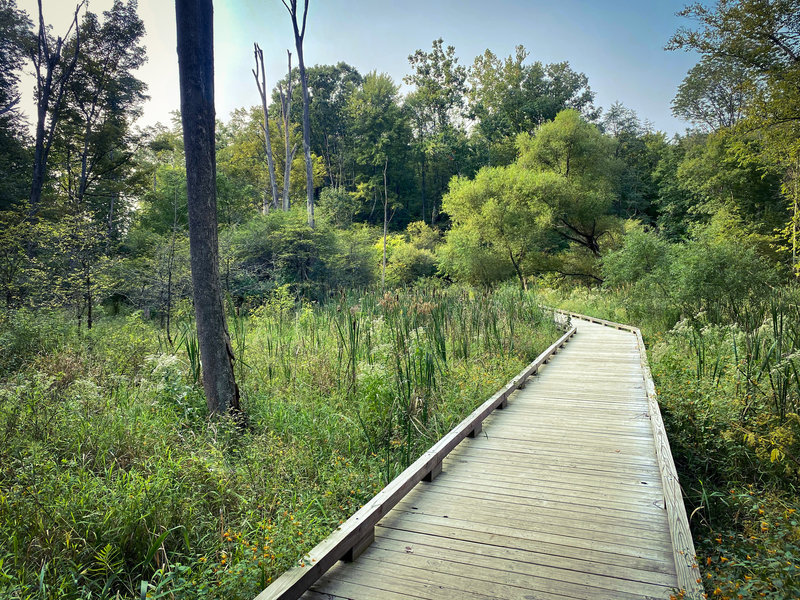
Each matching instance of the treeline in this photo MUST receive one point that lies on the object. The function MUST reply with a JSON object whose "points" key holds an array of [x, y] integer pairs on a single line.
{"points": [[503, 169]]}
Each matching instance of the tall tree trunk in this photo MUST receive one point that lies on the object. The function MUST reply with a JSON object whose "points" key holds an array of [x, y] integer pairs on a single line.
{"points": [[171, 261], [261, 83], [89, 320], [307, 140], [423, 186], [522, 283], [299, 34], [196, 68]]}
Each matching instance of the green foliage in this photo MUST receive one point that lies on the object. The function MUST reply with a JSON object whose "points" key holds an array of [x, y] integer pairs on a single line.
{"points": [[465, 257], [727, 172], [711, 275], [506, 209], [410, 256], [575, 152], [280, 248], [337, 207], [714, 94], [510, 97], [15, 39], [114, 484]]}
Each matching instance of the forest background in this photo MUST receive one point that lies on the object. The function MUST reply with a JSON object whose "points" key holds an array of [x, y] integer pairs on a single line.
{"points": [[484, 188]]}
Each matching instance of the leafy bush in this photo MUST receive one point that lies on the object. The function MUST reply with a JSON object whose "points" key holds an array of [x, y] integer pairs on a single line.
{"points": [[665, 281], [280, 248]]}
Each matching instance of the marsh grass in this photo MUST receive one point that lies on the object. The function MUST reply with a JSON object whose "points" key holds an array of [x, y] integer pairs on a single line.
{"points": [[114, 482]]}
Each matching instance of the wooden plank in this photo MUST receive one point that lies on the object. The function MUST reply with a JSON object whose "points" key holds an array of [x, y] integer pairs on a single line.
{"points": [[522, 492], [630, 450], [504, 561], [376, 586], [565, 484], [597, 496], [486, 581], [521, 458], [579, 473], [312, 595], [535, 434], [565, 523], [418, 584], [522, 449], [579, 545], [490, 540], [525, 557], [322, 557]]}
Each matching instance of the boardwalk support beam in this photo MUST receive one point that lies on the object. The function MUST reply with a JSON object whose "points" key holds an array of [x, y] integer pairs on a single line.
{"points": [[433, 473], [363, 543]]}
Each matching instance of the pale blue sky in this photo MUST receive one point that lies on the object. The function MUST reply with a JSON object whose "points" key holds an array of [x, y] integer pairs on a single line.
{"points": [[618, 44]]}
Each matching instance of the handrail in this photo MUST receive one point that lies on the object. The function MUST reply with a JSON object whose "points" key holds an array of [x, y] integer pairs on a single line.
{"points": [[356, 533], [682, 544]]}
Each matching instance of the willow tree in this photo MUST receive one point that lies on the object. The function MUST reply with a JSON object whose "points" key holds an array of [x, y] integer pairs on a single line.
{"points": [[196, 72]]}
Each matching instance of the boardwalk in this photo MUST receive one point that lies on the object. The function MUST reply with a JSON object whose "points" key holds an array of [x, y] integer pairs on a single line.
{"points": [[560, 496]]}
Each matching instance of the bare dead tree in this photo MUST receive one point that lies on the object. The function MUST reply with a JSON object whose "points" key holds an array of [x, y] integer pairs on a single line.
{"points": [[52, 77], [286, 109], [385, 223], [261, 83], [195, 24], [299, 34]]}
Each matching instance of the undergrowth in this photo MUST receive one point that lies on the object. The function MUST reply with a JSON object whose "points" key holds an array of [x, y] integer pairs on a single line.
{"points": [[114, 483]]}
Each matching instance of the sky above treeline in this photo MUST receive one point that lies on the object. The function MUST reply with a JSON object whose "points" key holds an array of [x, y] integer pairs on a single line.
{"points": [[619, 45]]}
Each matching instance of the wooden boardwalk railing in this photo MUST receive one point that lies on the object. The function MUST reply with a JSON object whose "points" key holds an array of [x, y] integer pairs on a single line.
{"points": [[569, 493]]}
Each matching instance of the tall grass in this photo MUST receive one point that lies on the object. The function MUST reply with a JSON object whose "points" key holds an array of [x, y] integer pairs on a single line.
{"points": [[114, 483]]}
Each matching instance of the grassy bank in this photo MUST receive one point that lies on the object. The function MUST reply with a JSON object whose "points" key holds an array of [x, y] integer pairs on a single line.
{"points": [[115, 482]]}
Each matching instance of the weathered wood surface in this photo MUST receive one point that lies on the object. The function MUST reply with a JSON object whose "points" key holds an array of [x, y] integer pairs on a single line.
{"points": [[560, 496], [682, 543]]}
